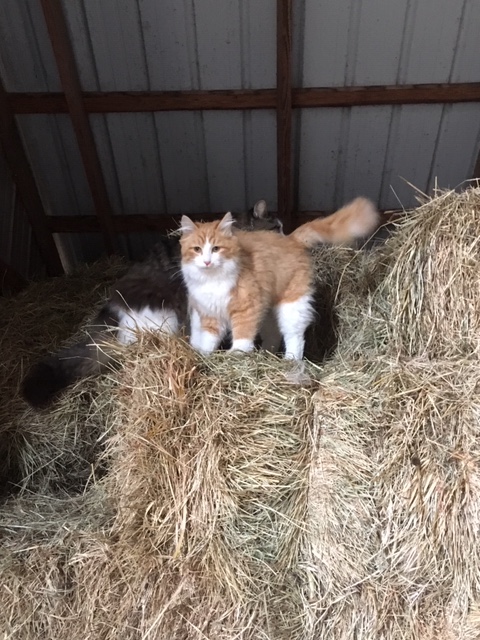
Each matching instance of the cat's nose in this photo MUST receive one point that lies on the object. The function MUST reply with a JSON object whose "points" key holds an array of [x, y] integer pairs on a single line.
{"points": [[207, 263]]}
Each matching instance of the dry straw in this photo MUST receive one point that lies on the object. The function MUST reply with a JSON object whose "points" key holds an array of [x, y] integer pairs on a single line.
{"points": [[395, 491], [196, 528], [31, 324], [419, 293], [210, 498]]}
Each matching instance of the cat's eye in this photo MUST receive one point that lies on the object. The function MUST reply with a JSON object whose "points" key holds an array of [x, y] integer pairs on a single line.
{"points": [[215, 249], [197, 249]]}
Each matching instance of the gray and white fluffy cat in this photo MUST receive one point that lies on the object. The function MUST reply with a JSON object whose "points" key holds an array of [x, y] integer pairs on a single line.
{"points": [[152, 295]]}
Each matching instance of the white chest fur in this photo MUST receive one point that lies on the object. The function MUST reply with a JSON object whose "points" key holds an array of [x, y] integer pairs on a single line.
{"points": [[210, 289]]}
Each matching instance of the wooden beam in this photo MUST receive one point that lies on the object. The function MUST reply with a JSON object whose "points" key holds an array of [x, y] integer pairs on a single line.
{"points": [[27, 190], [284, 113], [143, 101], [387, 95], [11, 281], [67, 68], [149, 222], [124, 223]]}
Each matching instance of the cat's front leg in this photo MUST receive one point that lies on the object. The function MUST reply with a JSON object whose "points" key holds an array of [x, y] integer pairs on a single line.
{"points": [[205, 333], [245, 325]]}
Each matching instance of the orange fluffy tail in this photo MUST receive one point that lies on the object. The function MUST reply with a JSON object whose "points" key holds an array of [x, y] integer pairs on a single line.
{"points": [[354, 221]]}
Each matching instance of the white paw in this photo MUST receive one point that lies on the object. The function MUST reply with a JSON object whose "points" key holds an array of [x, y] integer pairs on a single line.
{"points": [[205, 342], [242, 345]]}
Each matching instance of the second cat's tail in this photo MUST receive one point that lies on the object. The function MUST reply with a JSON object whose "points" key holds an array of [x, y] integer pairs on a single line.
{"points": [[354, 221], [94, 354]]}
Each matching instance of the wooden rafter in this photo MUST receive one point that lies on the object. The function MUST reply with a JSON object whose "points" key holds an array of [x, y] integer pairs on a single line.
{"points": [[145, 222], [27, 190], [67, 68], [284, 112], [143, 101], [125, 223]]}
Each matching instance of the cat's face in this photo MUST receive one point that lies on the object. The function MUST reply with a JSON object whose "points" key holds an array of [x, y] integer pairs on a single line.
{"points": [[258, 219], [208, 246]]}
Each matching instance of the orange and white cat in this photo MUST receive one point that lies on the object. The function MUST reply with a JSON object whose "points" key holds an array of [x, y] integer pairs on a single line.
{"points": [[233, 280]]}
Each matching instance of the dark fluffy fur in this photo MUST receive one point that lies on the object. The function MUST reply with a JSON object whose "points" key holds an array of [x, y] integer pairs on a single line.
{"points": [[156, 282]]}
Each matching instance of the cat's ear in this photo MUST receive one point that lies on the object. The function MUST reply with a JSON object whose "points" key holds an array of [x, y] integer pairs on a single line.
{"points": [[187, 226], [260, 209], [225, 224]]}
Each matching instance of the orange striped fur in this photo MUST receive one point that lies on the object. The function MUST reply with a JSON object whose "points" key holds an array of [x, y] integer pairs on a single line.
{"points": [[234, 277], [355, 220]]}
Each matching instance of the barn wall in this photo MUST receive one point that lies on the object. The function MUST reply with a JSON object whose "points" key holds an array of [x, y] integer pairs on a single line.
{"points": [[17, 247], [198, 161], [373, 150]]}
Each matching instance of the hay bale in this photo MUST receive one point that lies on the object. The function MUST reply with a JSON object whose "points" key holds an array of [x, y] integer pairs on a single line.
{"points": [[344, 281], [394, 510], [51, 446], [235, 505], [419, 293], [395, 498], [206, 494]]}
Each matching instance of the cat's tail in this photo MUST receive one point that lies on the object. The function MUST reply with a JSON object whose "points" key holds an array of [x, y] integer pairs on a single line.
{"points": [[354, 221], [94, 354]]}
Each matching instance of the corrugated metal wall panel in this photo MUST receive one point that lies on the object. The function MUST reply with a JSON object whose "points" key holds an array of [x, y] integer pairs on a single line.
{"points": [[225, 159], [17, 247], [348, 43], [316, 164], [54, 156], [342, 154], [182, 45], [26, 56], [135, 155], [22, 249], [410, 152], [430, 43], [373, 151], [466, 63], [219, 44], [261, 157], [52, 149], [458, 144], [363, 153], [190, 161], [115, 36], [170, 45], [7, 205], [181, 143], [372, 42]]}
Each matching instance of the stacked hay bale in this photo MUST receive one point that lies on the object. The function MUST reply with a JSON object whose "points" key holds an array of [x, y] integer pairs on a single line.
{"points": [[43, 451], [234, 504], [195, 529], [395, 501]]}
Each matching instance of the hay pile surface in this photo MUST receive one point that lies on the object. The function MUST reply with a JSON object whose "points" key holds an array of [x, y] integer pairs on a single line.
{"points": [[47, 451], [419, 293], [394, 511], [221, 502], [196, 528]]}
